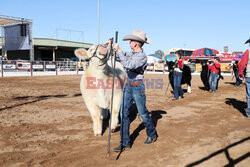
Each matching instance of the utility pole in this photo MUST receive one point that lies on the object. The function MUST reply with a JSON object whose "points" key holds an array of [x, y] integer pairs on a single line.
{"points": [[184, 49], [98, 22]]}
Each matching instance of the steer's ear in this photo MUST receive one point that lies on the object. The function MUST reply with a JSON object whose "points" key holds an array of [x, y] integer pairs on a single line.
{"points": [[81, 53]]}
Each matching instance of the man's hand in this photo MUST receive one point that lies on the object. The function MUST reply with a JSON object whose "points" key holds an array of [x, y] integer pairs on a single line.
{"points": [[241, 77], [116, 47]]}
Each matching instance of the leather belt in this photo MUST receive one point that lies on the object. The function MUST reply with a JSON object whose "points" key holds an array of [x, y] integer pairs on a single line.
{"points": [[135, 83], [214, 72]]}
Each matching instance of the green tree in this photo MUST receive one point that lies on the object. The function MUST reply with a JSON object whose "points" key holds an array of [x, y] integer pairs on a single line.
{"points": [[159, 53]]}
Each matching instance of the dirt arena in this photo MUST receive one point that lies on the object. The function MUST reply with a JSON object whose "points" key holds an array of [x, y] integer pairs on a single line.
{"points": [[44, 122]]}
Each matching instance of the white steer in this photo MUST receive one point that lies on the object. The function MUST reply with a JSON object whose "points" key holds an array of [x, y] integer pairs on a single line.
{"points": [[96, 85]]}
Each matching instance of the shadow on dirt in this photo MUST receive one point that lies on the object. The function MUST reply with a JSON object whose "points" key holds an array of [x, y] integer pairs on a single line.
{"points": [[231, 83], [78, 94], [184, 90], [156, 115], [33, 100], [202, 88], [237, 104], [231, 162]]}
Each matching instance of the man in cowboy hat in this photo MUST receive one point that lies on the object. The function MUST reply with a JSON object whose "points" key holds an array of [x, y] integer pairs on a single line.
{"points": [[135, 63]]}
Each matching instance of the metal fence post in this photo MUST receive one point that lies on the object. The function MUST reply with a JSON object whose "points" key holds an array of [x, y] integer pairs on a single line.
{"points": [[56, 67], [31, 68], [77, 67], [44, 67], [2, 68]]}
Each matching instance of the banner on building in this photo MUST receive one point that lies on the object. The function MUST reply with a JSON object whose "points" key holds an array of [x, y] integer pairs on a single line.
{"points": [[17, 37]]}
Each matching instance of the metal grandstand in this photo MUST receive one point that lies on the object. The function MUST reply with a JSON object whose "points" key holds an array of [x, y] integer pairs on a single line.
{"points": [[6, 21]]}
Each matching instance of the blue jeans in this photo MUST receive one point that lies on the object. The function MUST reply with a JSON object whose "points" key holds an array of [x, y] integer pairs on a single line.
{"points": [[136, 94], [237, 77], [247, 82], [213, 81], [177, 85]]}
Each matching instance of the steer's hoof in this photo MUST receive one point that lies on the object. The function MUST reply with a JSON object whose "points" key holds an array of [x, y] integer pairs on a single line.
{"points": [[98, 134], [112, 130]]}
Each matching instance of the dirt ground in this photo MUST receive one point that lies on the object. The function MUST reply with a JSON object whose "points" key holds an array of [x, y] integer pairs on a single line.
{"points": [[44, 122]]}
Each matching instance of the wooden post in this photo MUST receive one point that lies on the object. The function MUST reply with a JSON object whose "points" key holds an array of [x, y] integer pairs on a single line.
{"points": [[54, 54], [31, 68]]}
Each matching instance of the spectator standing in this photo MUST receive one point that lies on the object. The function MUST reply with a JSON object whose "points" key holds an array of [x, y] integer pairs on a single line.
{"points": [[178, 69], [214, 68], [245, 66], [236, 73]]}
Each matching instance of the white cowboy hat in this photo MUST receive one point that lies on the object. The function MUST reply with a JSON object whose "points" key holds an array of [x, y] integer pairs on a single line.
{"points": [[138, 35]]}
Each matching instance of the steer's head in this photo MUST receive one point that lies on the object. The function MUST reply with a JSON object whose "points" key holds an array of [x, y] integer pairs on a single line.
{"points": [[170, 66], [204, 64], [97, 54]]}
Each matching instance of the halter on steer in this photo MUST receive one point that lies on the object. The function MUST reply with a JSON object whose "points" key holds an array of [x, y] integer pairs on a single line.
{"points": [[105, 58]]}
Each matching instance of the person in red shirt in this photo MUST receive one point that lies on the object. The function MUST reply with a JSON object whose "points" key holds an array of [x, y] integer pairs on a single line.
{"points": [[214, 67], [244, 68]]}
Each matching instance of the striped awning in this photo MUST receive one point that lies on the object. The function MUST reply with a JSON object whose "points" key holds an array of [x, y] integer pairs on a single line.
{"points": [[205, 52]]}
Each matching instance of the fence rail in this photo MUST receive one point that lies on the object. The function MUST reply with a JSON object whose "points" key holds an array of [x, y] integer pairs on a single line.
{"points": [[22, 67], [30, 68]]}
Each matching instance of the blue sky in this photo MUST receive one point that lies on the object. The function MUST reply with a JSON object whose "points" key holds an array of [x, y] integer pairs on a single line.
{"points": [[190, 24]]}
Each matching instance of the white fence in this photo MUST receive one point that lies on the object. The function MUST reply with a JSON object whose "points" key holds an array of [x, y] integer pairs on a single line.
{"points": [[38, 68], [33, 68]]}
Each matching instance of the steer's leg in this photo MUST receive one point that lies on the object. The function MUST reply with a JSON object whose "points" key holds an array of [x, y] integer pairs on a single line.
{"points": [[95, 112], [97, 121], [116, 109], [115, 113], [188, 88]]}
